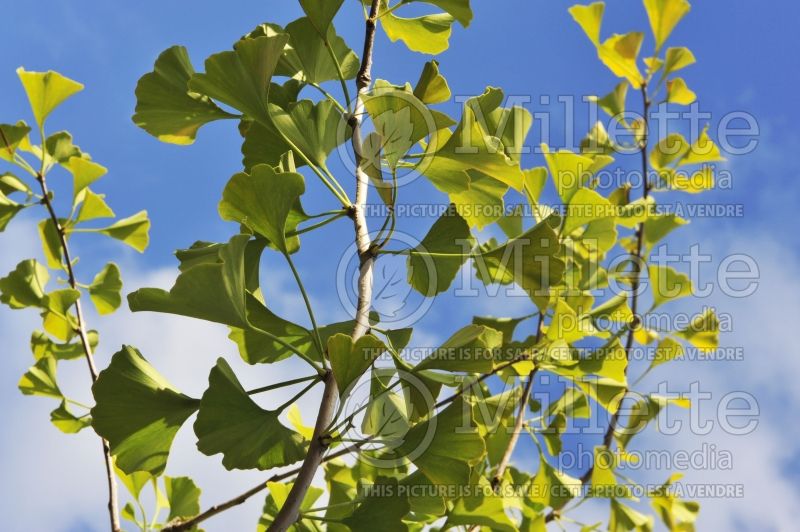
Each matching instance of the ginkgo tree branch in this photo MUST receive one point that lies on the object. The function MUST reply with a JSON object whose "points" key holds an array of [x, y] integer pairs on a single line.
{"points": [[188, 524], [290, 511], [81, 331], [635, 281]]}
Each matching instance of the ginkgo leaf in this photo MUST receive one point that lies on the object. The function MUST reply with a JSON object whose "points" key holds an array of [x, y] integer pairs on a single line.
{"points": [[677, 58], [451, 446], [658, 227], [349, 360], [589, 18], [678, 92], [166, 108], [183, 496], [613, 103], [668, 284], [703, 331], [93, 206], [381, 513], [308, 59], [482, 203], [67, 422], [25, 286], [619, 53], [315, 129], [694, 183], [231, 423], [702, 150], [211, 288], [434, 263], [483, 508], [11, 136], [553, 488], [569, 171], [400, 119], [671, 148], [40, 379], [133, 230], [46, 91], [84, 173], [278, 493], [432, 86], [262, 201], [664, 15], [624, 518], [585, 206], [460, 9], [56, 318], [321, 12], [138, 412], [105, 289], [470, 349], [427, 34], [530, 260], [240, 78]]}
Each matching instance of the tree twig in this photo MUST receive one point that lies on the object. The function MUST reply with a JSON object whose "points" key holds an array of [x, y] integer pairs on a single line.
{"points": [[290, 511], [113, 505], [187, 524]]}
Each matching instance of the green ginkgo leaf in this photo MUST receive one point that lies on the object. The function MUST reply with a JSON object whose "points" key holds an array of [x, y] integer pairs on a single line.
{"points": [[381, 513], [40, 379], [133, 231], [84, 172], [210, 287], [432, 86], [427, 34], [46, 91], [703, 331], [585, 206], [25, 286], [668, 284], [56, 318], [67, 422], [530, 260], [240, 78], [482, 508], [447, 445], [314, 129], [349, 360], [553, 488], [263, 201], [11, 136], [105, 289], [231, 423], [166, 108], [470, 349], [434, 263], [482, 203], [93, 206], [138, 411], [308, 59], [619, 53], [489, 138], [401, 119], [321, 12], [183, 496]]}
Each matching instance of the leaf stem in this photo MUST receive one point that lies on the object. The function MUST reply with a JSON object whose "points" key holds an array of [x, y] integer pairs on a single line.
{"points": [[307, 301], [284, 384]]}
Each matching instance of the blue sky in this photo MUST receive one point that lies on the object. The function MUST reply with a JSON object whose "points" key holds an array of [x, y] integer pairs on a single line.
{"points": [[529, 48]]}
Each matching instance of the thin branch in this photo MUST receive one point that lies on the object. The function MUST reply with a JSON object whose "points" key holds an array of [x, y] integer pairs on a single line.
{"points": [[113, 507], [523, 407], [290, 511], [240, 499]]}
